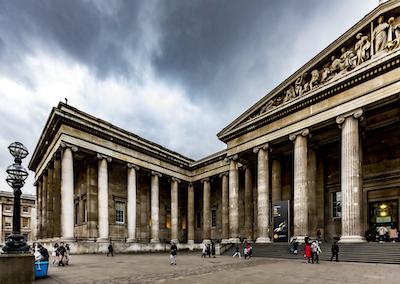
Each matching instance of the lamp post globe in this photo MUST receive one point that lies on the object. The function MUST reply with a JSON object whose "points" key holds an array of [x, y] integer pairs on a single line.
{"points": [[17, 175]]}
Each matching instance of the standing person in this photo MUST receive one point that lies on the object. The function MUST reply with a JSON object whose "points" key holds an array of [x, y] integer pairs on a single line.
{"points": [[213, 249], [250, 251], [295, 247], [307, 252], [67, 255], [314, 250], [393, 234], [245, 252], [43, 251], [54, 253], [382, 231], [174, 251], [335, 251], [61, 252], [319, 235], [208, 250], [33, 247], [237, 252], [204, 252], [110, 250]]}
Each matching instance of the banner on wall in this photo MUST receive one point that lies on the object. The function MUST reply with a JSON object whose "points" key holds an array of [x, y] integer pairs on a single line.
{"points": [[281, 221]]}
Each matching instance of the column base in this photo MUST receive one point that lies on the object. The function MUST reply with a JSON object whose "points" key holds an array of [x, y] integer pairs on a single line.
{"points": [[67, 239], [190, 242], [155, 241], [300, 239], [249, 240], [206, 241], [263, 240], [131, 240], [225, 241], [234, 240], [175, 241], [352, 239]]}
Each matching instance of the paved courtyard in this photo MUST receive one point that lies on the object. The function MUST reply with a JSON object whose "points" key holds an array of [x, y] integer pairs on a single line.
{"points": [[191, 268]]}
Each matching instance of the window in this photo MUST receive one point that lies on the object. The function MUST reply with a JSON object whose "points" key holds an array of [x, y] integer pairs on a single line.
{"points": [[8, 222], [7, 208], [198, 220], [120, 212], [25, 209], [183, 218], [76, 212], [213, 218], [85, 216], [337, 204], [25, 222], [168, 219], [25, 237]]}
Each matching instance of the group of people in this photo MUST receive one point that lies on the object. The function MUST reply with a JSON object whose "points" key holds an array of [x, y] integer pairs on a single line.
{"points": [[208, 249], [382, 234], [248, 251], [312, 252], [60, 253]]}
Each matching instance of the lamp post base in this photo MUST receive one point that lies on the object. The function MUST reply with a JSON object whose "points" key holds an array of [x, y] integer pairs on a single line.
{"points": [[16, 244]]}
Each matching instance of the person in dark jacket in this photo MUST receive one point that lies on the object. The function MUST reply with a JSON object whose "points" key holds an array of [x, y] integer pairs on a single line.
{"points": [[335, 251], [43, 251], [61, 252], [213, 249], [174, 252], [110, 250]]}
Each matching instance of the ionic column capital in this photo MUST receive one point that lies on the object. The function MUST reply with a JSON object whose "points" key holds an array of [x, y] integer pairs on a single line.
{"points": [[224, 174], [357, 113], [304, 132], [232, 158], [265, 147], [68, 145], [154, 173], [175, 179], [245, 167], [102, 156], [132, 166], [206, 180]]}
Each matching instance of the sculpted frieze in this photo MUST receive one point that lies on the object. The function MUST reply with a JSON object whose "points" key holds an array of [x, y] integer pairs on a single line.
{"points": [[362, 48]]}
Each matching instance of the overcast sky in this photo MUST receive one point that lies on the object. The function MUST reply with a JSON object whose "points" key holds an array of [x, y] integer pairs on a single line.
{"points": [[173, 72]]}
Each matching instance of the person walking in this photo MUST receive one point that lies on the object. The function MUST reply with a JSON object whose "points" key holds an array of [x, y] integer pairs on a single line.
{"points": [[335, 251], [43, 251], [307, 252], [382, 232], [67, 256], [54, 253], [314, 250], [245, 252], [61, 252], [213, 249], [393, 234], [237, 252], [204, 252], [174, 252], [250, 251], [208, 250], [110, 250]]}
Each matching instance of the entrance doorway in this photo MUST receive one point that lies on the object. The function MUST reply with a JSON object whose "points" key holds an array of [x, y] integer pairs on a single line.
{"points": [[383, 213]]}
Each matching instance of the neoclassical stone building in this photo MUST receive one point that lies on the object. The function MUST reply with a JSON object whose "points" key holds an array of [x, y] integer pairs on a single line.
{"points": [[326, 139]]}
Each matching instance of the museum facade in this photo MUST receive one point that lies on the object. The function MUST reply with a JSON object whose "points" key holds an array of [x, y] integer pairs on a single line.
{"points": [[326, 140]]}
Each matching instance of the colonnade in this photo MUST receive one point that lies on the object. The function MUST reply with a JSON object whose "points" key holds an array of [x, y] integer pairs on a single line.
{"points": [[53, 203]]}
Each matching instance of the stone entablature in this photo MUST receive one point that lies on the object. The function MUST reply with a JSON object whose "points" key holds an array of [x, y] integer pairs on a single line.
{"points": [[324, 75]]}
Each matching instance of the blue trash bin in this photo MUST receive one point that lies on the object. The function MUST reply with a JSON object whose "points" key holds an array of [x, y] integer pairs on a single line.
{"points": [[41, 268]]}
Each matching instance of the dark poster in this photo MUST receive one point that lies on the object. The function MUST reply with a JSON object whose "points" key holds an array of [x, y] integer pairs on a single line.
{"points": [[281, 221]]}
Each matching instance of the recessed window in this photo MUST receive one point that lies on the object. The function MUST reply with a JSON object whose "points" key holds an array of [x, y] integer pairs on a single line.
{"points": [[25, 222], [7, 222], [77, 213], [198, 220], [337, 204], [213, 218], [183, 218], [85, 216], [168, 219], [7, 208], [25, 209], [120, 212], [25, 237]]}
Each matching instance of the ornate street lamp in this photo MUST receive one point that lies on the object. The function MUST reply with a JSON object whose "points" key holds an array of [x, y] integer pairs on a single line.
{"points": [[16, 179]]}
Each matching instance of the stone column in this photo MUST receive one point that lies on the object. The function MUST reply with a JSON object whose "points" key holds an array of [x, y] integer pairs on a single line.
{"points": [[50, 211], [103, 196], [233, 200], [312, 191], [300, 201], [351, 186], [1, 223], [263, 193], [45, 223], [190, 232], [248, 199], [67, 192], [206, 211], [57, 196], [225, 208], [174, 210], [155, 207], [131, 188], [40, 208], [276, 181]]}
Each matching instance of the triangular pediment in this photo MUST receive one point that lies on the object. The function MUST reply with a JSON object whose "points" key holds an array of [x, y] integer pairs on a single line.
{"points": [[352, 51]]}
